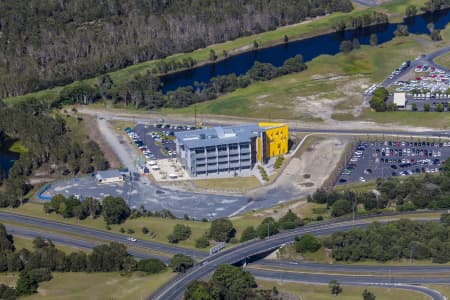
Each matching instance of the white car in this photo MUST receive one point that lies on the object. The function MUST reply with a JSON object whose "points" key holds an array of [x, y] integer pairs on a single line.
{"points": [[362, 179], [132, 239]]}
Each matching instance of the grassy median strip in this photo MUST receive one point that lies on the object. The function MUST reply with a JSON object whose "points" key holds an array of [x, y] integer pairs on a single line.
{"points": [[322, 292]]}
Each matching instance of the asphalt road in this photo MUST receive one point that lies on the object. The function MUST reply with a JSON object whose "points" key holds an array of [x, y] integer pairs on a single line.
{"points": [[70, 241], [407, 283], [316, 267], [174, 289], [97, 234]]}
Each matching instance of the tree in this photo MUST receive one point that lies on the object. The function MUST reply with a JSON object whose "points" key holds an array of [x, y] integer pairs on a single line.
{"points": [[198, 290], [255, 45], [267, 227], [285, 39], [368, 295], [151, 266], [307, 243], [335, 287], [56, 202], [340, 208], [92, 207], [25, 285], [180, 233], [439, 107], [230, 282], [248, 234], [401, 30], [289, 221], [373, 39], [212, 55], [6, 241], [7, 293], [202, 242], [180, 263], [222, 230], [410, 11], [436, 35], [115, 210], [426, 107], [294, 64], [262, 71], [346, 47]]}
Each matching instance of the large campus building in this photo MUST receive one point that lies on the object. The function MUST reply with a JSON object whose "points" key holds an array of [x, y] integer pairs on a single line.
{"points": [[231, 149]]}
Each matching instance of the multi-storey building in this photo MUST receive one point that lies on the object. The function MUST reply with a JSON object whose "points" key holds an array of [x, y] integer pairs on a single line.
{"points": [[231, 149]]}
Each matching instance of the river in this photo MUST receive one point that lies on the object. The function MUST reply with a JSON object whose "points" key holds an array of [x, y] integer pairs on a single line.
{"points": [[310, 48]]}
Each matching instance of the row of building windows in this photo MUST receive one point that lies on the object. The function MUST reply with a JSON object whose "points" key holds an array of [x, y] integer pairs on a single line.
{"points": [[210, 149]]}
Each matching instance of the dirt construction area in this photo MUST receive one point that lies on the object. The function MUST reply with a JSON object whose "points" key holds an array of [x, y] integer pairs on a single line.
{"points": [[307, 169]]}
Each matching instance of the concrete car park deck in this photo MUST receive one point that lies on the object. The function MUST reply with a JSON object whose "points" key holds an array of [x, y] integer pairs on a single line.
{"points": [[372, 160]]}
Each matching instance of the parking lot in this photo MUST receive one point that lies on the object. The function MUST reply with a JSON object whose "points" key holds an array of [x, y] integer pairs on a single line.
{"points": [[157, 141], [372, 160]]}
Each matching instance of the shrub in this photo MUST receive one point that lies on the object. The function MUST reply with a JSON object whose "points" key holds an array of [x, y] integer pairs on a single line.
{"points": [[249, 233], [278, 162], [180, 263], [222, 230], [180, 233], [151, 266], [307, 243], [202, 242]]}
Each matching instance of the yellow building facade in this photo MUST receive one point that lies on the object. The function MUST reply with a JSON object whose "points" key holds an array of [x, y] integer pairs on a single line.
{"points": [[273, 141]]}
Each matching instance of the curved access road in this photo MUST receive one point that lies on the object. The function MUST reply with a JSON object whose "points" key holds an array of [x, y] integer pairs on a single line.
{"points": [[350, 268], [96, 234], [407, 283]]}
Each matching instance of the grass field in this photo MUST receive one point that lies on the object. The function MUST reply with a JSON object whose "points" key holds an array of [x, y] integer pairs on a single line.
{"points": [[301, 30], [443, 60], [95, 285], [239, 184], [322, 292]]}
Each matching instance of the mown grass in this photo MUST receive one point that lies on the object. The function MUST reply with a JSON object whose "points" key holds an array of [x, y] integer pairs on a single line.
{"points": [[322, 292], [236, 184], [443, 60], [95, 285]]}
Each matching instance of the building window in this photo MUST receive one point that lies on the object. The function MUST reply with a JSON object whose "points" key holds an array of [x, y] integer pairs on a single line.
{"points": [[199, 150], [222, 147], [233, 146], [211, 149]]}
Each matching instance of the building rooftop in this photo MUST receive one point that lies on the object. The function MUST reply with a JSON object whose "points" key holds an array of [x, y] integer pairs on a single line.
{"points": [[218, 135]]}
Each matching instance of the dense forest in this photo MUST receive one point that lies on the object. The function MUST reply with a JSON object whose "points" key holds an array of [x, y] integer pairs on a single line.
{"points": [[54, 42], [410, 193], [402, 239], [48, 142]]}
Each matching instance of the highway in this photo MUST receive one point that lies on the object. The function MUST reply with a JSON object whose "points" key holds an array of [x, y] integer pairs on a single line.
{"points": [[174, 289], [368, 269], [97, 234], [70, 241], [407, 283]]}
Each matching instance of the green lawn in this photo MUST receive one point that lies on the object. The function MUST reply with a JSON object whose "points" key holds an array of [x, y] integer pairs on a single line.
{"points": [[322, 292], [95, 285], [238, 184], [443, 60]]}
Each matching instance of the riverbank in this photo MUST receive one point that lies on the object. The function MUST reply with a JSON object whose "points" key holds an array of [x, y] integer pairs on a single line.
{"points": [[267, 39]]}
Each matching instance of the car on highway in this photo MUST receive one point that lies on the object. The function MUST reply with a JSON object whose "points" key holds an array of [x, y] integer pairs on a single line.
{"points": [[132, 239]]}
